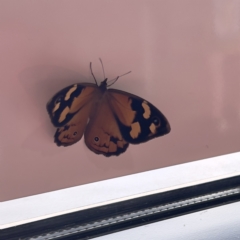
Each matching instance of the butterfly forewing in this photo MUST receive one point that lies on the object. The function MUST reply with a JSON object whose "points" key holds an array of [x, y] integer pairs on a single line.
{"points": [[138, 120], [70, 100]]}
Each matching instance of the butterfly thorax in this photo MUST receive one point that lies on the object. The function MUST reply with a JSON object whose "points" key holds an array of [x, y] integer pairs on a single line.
{"points": [[103, 85]]}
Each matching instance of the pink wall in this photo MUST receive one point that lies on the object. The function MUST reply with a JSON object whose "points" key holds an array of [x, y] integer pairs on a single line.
{"points": [[184, 57]]}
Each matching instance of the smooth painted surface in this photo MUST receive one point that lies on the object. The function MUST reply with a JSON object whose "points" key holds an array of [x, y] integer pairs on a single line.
{"points": [[220, 223], [184, 57]]}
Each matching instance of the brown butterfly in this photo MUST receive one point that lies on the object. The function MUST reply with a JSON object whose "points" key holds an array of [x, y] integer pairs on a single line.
{"points": [[110, 119]]}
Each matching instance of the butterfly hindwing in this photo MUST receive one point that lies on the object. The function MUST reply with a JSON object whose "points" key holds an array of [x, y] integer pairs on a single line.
{"points": [[102, 134], [138, 120]]}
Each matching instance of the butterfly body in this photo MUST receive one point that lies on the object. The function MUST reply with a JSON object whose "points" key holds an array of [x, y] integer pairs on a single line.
{"points": [[109, 119]]}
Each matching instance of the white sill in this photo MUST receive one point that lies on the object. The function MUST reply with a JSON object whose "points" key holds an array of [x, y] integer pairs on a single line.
{"points": [[46, 205]]}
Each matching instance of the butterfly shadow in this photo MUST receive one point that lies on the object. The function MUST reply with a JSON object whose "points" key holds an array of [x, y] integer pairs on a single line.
{"points": [[119, 165], [42, 82]]}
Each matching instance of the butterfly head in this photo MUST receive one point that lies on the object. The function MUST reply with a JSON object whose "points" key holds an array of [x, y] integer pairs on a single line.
{"points": [[103, 85]]}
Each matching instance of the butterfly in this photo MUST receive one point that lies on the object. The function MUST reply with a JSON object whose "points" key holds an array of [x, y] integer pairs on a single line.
{"points": [[109, 119]]}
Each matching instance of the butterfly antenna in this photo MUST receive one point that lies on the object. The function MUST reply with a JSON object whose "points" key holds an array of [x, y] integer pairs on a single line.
{"points": [[115, 79], [102, 68], [92, 73]]}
